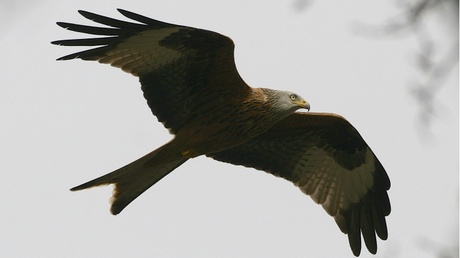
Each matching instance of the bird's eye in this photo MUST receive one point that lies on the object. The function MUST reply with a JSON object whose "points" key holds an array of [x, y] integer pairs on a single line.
{"points": [[293, 96]]}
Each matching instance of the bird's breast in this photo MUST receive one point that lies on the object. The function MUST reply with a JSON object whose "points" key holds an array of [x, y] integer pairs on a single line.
{"points": [[224, 129]]}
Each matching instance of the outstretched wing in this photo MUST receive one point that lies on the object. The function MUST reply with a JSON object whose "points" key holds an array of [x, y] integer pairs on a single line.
{"points": [[327, 159], [181, 69]]}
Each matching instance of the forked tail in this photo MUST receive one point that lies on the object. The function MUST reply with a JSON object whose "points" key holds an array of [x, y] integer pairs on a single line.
{"points": [[133, 179]]}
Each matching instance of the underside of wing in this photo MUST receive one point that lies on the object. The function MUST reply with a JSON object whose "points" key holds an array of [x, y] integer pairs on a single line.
{"points": [[181, 69], [327, 159]]}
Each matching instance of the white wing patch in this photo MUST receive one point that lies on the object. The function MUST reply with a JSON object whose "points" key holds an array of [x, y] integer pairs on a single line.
{"points": [[142, 52], [330, 184]]}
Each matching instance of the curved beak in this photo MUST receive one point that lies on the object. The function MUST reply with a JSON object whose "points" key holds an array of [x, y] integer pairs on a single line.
{"points": [[303, 104]]}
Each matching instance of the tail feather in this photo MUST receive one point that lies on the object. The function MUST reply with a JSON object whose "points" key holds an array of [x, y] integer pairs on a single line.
{"points": [[133, 179]]}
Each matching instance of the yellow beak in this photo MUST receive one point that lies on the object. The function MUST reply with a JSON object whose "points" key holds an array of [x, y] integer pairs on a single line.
{"points": [[303, 104]]}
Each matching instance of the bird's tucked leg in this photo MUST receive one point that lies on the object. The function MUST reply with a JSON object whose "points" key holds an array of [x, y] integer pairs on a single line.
{"points": [[189, 153]]}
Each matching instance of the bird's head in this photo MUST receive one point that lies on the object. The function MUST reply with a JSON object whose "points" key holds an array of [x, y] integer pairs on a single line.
{"points": [[298, 101], [285, 102], [290, 101]]}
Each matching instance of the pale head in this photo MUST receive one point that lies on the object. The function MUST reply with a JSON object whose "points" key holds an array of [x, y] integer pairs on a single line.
{"points": [[285, 101]]}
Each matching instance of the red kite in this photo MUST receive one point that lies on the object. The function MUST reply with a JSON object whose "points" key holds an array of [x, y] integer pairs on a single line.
{"points": [[192, 86]]}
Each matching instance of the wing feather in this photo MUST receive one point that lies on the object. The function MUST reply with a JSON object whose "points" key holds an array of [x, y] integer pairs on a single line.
{"points": [[180, 68], [327, 159], [89, 29]]}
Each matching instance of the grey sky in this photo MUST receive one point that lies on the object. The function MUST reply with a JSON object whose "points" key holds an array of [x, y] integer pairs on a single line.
{"points": [[67, 122]]}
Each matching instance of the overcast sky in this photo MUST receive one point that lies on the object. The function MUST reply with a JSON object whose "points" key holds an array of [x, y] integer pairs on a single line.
{"points": [[68, 122]]}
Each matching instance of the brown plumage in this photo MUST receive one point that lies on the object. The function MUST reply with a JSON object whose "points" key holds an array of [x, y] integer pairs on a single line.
{"points": [[192, 86]]}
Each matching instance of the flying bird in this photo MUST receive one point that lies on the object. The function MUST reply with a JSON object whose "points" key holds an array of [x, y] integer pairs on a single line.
{"points": [[191, 84]]}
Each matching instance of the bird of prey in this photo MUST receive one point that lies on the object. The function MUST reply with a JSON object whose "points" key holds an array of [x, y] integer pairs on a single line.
{"points": [[192, 86]]}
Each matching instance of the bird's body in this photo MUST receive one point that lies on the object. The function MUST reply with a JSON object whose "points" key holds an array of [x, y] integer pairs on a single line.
{"points": [[238, 121], [191, 84]]}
